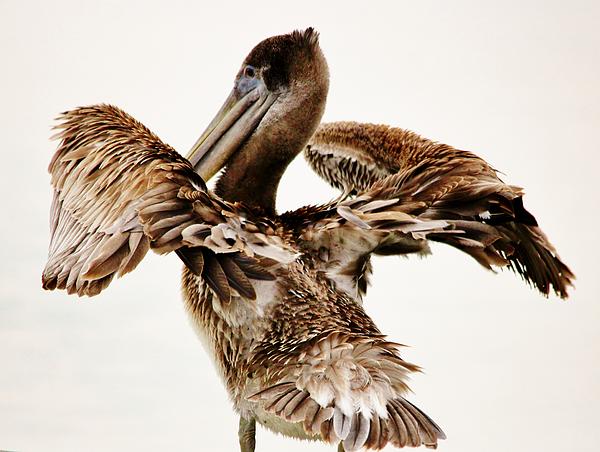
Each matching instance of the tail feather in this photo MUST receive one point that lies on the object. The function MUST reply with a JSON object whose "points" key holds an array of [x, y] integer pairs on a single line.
{"points": [[404, 425]]}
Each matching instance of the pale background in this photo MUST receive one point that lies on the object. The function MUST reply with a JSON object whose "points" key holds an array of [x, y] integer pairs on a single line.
{"points": [[516, 82]]}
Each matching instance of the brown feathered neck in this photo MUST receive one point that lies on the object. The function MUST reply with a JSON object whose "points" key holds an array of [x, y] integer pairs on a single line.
{"points": [[294, 67]]}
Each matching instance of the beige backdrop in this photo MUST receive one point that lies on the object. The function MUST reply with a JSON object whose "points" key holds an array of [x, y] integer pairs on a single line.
{"points": [[516, 82]]}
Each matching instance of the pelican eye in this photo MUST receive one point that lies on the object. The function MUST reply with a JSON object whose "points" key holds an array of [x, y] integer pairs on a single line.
{"points": [[250, 72]]}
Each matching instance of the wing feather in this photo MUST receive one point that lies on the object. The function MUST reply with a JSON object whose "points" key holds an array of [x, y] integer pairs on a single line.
{"points": [[433, 181], [119, 191]]}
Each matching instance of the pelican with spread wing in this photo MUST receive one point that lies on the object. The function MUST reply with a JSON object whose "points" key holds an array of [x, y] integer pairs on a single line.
{"points": [[278, 298]]}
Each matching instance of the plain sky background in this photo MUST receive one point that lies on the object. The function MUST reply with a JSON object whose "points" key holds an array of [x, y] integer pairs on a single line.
{"points": [[516, 82]]}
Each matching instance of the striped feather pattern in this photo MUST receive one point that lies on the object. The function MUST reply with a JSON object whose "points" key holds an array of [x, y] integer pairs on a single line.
{"points": [[119, 191], [438, 182], [347, 389]]}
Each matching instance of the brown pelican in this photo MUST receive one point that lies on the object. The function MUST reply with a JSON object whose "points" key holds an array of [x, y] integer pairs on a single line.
{"points": [[277, 298]]}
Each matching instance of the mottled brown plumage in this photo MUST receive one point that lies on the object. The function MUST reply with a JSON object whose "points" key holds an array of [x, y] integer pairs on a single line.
{"points": [[276, 299], [437, 181], [94, 229]]}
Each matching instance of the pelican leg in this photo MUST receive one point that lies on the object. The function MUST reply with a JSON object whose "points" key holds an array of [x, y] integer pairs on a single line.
{"points": [[247, 434], [341, 447]]}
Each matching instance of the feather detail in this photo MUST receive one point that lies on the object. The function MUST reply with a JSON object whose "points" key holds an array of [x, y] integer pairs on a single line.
{"points": [[215, 277], [347, 388], [105, 164], [120, 191], [236, 278], [432, 181]]}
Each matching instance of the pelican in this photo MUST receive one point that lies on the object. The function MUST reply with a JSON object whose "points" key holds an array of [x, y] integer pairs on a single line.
{"points": [[277, 298]]}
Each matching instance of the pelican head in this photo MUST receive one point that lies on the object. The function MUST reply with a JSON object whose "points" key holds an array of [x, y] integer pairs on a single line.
{"points": [[275, 106]]}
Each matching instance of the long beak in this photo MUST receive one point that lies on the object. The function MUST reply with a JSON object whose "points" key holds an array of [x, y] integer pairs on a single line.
{"points": [[235, 121]]}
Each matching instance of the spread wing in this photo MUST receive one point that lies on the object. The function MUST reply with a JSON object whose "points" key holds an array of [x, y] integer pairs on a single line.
{"points": [[119, 191], [434, 181]]}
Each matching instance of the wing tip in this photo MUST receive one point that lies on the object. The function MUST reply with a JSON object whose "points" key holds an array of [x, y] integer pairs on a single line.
{"points": [[49, 282]]}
